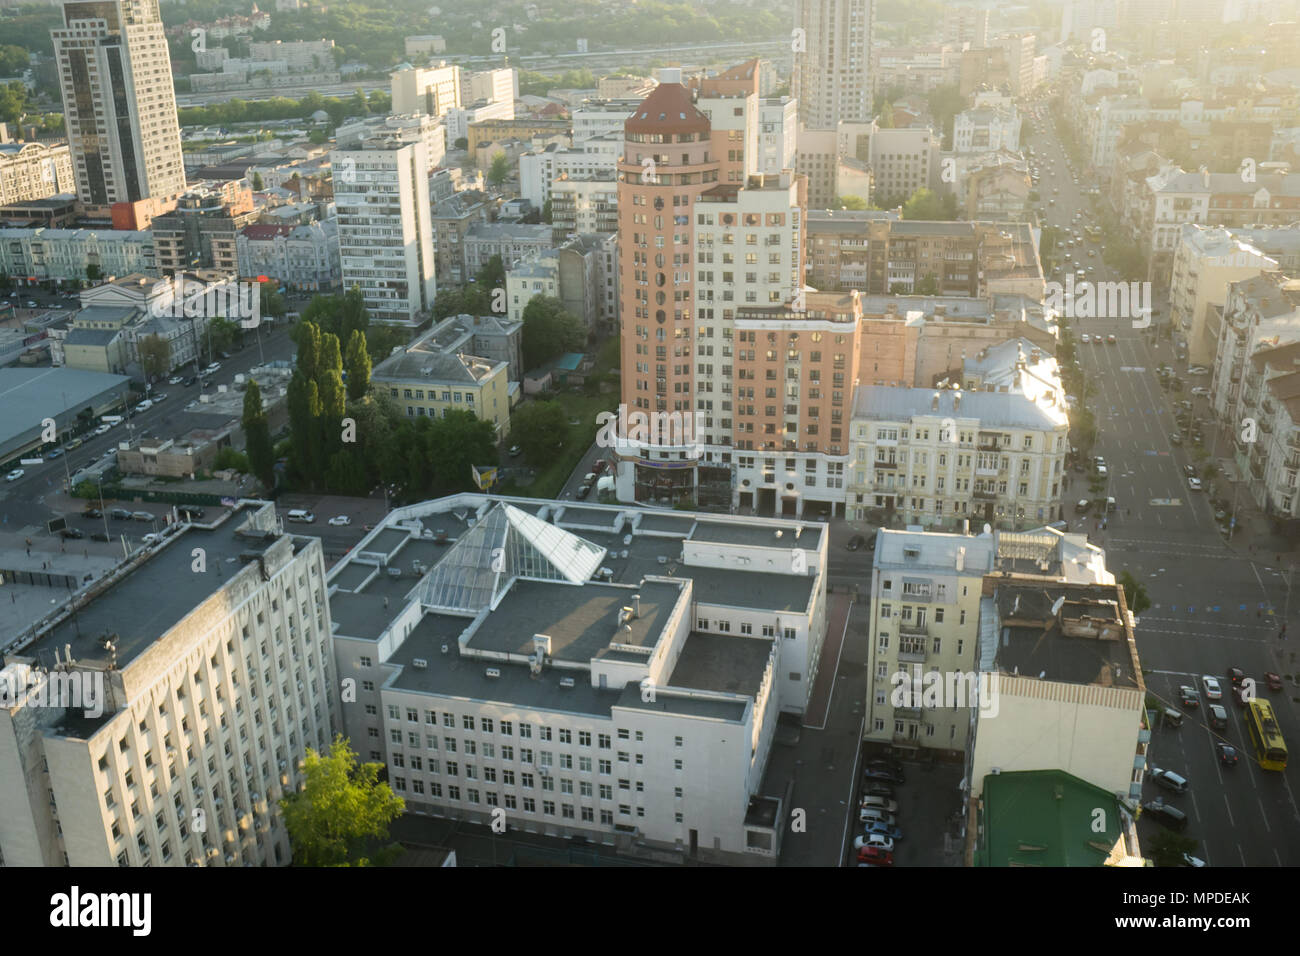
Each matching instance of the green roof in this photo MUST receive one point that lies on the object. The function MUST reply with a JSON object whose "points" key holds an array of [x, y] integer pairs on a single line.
{"points": [[1046, 818]]}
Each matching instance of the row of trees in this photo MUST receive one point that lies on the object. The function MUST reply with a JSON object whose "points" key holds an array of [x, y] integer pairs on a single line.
{"points": [[284, 108]]}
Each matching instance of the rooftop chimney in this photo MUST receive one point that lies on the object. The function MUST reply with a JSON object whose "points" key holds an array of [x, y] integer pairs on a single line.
{"points": [[670, 74], [934, 402]]}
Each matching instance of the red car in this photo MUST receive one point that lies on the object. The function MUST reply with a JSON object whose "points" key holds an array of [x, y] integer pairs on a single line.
{"points": [[1274, 681], [875, 856]]}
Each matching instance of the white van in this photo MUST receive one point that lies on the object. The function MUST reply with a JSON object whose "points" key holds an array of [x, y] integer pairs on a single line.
{"points": [[111, 420], [306, 517]]}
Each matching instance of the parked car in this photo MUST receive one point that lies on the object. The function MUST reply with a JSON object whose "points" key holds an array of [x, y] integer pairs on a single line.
{"points": [[872, 815], [55, 453], [878, 840], [15, 474], [855, 543], [875, 856], [159, 397], [175, 380], [1227, 754], [339, 521], [72, 533], [1200, 390], [142, 515], [1189, 696], [881, 803], [192, 380], [1189, 471], [120, 514], [514, 451], [884, 829], [1169, 780], [1198, 370], [92, 513], [1212, 689], [1165, 815], [879, 790], [1175, 438], [214, 367]]}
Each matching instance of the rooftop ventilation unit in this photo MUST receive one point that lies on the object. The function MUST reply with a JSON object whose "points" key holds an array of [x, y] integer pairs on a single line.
{"points": [[419, 663], [493, 672], [566, 682], [445, 648]]}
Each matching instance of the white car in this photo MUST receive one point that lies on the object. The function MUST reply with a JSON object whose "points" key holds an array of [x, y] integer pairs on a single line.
{"points": [[144, 406], [1085, 338], [878, 840], [175, 380], [15, 474], [1212, 689], [159, 397], [1200, 390], [1102, 472], [1198, 370], [103, 429], [339, 521], [1194, 484], [214, 367]]}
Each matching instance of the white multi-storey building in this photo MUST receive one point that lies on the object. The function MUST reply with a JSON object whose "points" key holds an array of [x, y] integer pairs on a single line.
{"points": [[1258, 313], [489, 86], [34, 171], [65, 253], [602, 118], [938, 458], [299, 56], [981, 130], [637, 710], [458, 118], [381, 191], [115, 75], [832, 61], [408, 127], [535, 276], [200, 719], [540, 170]]}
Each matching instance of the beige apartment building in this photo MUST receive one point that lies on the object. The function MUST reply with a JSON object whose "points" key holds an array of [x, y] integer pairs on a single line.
{"points": [[1270, 397], [198, 722], [938, 458], [115, 76]]}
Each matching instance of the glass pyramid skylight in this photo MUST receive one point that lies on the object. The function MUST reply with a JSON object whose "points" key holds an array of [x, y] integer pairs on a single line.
{"points": [[506, 544]]}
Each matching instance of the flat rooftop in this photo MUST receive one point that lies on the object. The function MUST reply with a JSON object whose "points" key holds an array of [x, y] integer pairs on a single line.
{"points": [[153, 597], [581, 620], [722, 662], [719, 532], [1036, 643]]}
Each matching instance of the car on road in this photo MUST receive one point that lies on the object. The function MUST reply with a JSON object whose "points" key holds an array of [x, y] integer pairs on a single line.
{"points": [[1235, 676], [175, 380], [192, 380], [1218, 716], [1175, 438], [1189, 471], [1274, 681], [1228, 755], [1110, 339], [72, 533], [1081, 506], [880, 803], [1169, 780], [214, 367], [56, 453], [1165, 815], [1189, 860], [151, 538], [120, 514], [872, 815], [1212, 689], [1102, 471], [1085, 338], [144, 406], [855, 543], [103, 429], [159, 397], [1200, 391], [15, 474], [142, 515], [92, 513], [339, 521], [875, 856], [878, 840], [1198, 370], [514, 451], [882, 773], [189, 512], [1194, 484], [1188, 696], [884, 829]]}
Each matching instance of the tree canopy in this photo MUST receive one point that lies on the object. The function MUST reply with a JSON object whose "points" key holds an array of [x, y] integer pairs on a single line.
{"points": [[549, 331]]}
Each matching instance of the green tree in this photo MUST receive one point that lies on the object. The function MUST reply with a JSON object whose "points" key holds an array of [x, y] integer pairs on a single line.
{"points": [[13, 102], [270, 300], [457, 441], [306, 335], [1135, 593], [341, 815], [930, 206], [461, 143], [492, 275], [547, 216], [851, 202], [358, 365], [223, 333], [230, 458], [499, 171], [93, 272], [258, 184], [382, 339], [549, 331], [155, 356], [542, 429], [886, 118], [257, 437], [13, 60], [927, 285], [304, 427]]}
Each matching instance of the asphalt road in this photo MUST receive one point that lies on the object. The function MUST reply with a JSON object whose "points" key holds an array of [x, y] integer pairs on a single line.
{"points": [[22, 502], [1210, 603]]}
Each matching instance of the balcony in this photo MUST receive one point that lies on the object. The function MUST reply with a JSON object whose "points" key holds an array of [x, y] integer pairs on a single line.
{"points": [[886, 465], [985, 495], [907, 713], [915, 629]]}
